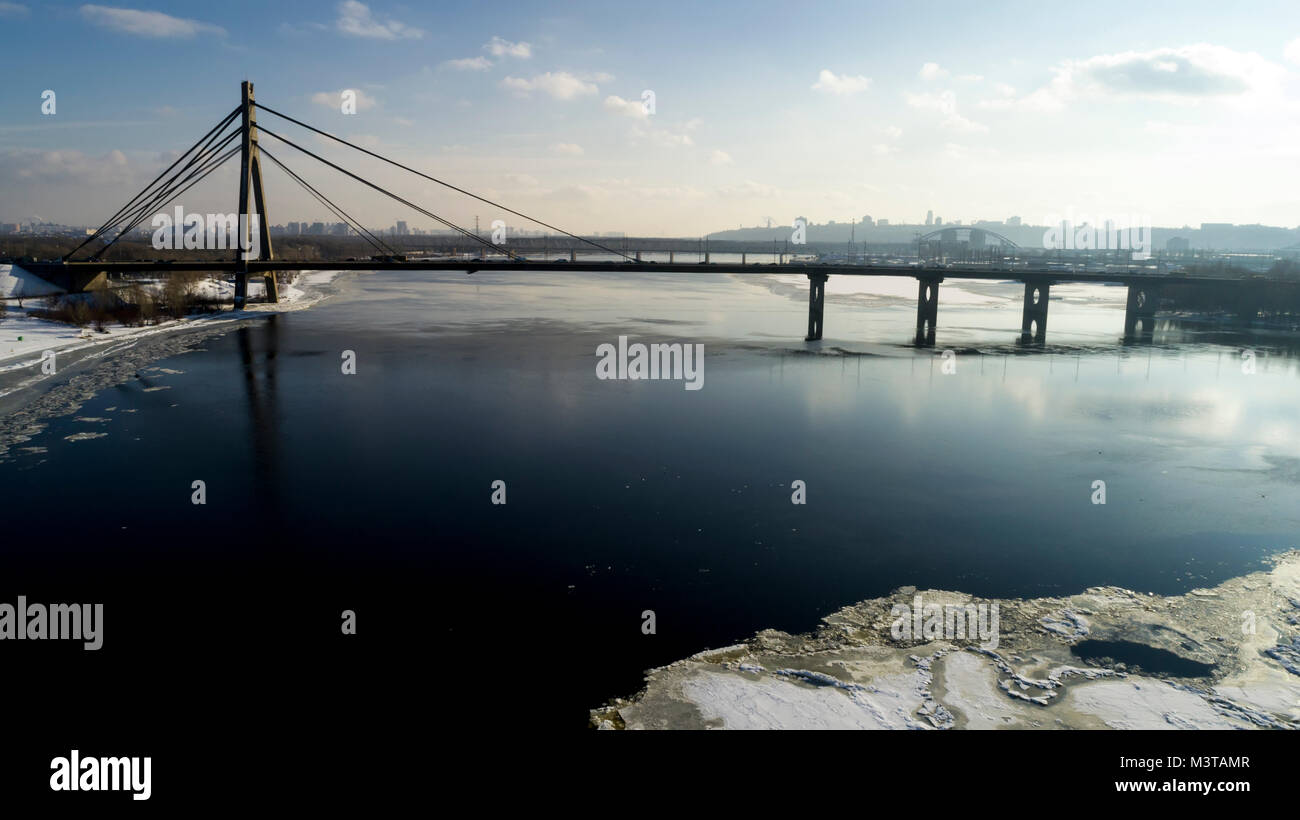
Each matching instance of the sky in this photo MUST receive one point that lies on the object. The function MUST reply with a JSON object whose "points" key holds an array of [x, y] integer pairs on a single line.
{"points": [[1182, 112]]}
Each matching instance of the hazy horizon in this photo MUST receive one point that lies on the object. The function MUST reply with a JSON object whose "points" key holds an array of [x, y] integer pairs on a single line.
{"points": [[759, 111]]}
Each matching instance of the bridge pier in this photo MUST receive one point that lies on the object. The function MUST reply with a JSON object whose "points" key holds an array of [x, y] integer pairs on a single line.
{"points": [[1033, 321], [1140, 310], [816, 303], [573, 256], [927, 310], [638, 256]]}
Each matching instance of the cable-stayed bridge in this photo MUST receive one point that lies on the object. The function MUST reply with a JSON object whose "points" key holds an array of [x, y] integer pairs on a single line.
{"points": [[240, 134]]}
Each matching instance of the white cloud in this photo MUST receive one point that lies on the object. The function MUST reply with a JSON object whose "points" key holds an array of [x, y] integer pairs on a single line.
{"points": [[945, 102], [355, 19], [1186, 74], [669, 139], [567, 149], [12, 10], [749, 190], [334, 99], [1292, 51], [146, 23], [932, 71], [880, 149], [560, 84], [720, 158], [843, 84], [892, 131], [628, 108], [469, 64], [498, 47]]}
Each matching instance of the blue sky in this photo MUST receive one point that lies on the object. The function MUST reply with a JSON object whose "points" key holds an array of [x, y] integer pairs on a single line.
{"points": [[1186, 112]]}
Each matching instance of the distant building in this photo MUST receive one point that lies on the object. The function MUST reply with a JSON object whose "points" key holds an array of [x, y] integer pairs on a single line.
{"points": [[1178, 244], [867, 220], [402, 229], [1013, 221], [1215, 234], [882, 222], [929, 217]]}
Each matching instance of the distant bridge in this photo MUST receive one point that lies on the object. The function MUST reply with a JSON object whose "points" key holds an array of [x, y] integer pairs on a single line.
{"points": [[213, 150]]}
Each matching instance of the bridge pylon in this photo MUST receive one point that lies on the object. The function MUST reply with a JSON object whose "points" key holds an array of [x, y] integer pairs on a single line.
{"points": [[250, 171]]}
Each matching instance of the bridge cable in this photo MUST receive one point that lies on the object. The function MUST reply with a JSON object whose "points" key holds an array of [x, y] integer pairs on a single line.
{"points": [[163, 194], [171, 194], [390, 194], [116, 217], [113, 220], [441, 182], [375, 242], [194, 178], [208, 162]]}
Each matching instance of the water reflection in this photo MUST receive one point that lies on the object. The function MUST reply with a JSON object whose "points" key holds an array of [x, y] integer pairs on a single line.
{"points": [[259, 374]]}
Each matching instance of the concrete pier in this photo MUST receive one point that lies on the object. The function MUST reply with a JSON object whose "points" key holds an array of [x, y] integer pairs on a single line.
{"points": [[927, 310], [1033, 321], [816, 304], [1140, 311]]}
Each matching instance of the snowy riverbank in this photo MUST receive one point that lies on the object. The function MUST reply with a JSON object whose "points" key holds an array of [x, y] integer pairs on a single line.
{"points": [[87, 361], [24, 338]]}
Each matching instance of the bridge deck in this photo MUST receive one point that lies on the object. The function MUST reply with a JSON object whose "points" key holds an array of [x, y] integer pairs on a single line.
{"points": [[1025, 274]]}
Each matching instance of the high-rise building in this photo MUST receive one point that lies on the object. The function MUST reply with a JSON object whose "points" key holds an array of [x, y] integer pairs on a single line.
{"points": [[929, 217]]}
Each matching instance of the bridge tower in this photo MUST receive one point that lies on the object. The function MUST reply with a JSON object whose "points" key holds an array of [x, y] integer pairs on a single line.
{"points": [[250, 170]]}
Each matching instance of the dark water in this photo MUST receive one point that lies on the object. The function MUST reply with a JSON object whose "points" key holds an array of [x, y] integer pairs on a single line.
{"points": [[1139, 656], [371, 492]]}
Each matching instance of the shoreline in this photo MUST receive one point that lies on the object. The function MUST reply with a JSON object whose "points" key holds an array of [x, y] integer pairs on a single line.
{"points": [[1243, 637], [86, 366]]}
